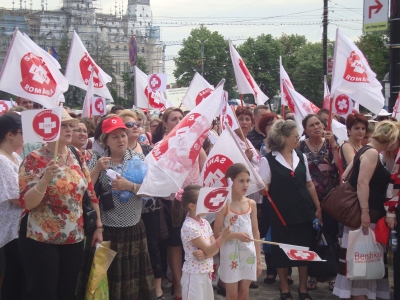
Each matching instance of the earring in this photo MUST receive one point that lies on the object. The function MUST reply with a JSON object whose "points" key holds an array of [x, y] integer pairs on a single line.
{"points": [[11, 141]]}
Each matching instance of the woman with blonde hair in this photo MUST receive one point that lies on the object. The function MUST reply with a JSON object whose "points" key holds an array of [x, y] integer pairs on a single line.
{"points": [[370, 178]]}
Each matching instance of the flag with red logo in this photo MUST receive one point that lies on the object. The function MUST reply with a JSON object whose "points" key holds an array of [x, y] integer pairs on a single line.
{"points": [[353, 76], [79, 67], [5, 105], [171, 160], [396, 108], [157, 82], [244, 80], [41, 125], [43, 52], [299, 105], [198, 90], [225, 153], [327, 95], [212, 199], [342, 104], [145, 97], [284, 77], [228, 117], [299, 253], [29, 74], [87, 111], [99, 106]]}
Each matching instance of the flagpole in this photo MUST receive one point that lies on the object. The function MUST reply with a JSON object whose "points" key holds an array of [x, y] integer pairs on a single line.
{"points": [[241, 132], [283, 111], [241, 99], [275, 208]]}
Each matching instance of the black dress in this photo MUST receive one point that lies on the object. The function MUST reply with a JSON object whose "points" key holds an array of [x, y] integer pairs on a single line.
{"points": [[289, 191]]}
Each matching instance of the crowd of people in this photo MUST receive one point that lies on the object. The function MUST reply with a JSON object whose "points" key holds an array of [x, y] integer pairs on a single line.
{"points": [[161, 243]]}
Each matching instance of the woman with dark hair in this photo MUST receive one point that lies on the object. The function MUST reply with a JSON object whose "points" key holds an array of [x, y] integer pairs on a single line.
{"points": [[10, 211], [265, 125], [320, 149], [288, 180]]}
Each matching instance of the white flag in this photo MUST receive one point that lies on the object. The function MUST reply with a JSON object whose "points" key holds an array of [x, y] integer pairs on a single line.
{"points": [[171, 160], [342, 104], [327, 95], [5, 105], [296, 253], [29, 74], [211, 200], [99, 106], [396, 108], [146, 98], [353, 76], [299, 105], [43, 52], [87, 111], [244, 80], [79, 67], [41, 125], [228, 117], [198, 90], [157, 82], [225, 153], [284, 77]]}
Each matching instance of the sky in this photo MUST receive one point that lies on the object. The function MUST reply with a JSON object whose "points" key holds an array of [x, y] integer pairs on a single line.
{"points": [[235, 18]]}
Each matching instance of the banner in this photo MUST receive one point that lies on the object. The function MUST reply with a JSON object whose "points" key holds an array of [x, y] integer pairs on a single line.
{"points": [[99, 106], [29, 73], [157, 82], [171, 160], [244, 80], [353, 76], [79, 67], [342, 105], [228, 117], [211, 200], [284, 77], [198, 90], [41, 125]]}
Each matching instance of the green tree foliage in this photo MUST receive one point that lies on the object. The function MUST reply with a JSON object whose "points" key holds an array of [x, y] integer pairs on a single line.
{"points": [[217, 61], [129, 81], [374, 47], [291, 45]]}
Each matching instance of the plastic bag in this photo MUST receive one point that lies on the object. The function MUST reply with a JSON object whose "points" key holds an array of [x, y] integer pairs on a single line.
{"points": [[135, 170], [364, 256]]}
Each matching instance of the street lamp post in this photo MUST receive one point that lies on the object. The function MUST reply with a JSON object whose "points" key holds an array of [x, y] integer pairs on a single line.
{"points": [[202, 55]]}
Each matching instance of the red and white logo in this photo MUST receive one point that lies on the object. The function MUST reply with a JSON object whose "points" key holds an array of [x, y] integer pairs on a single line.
{"points": [[202, 95], [46, 124], [216, 167], [295, 254], [154, 82], [179, 154], [288, 98], [355, 70], [343, 105], [216, 199], [248, 76], [99, 105], [154, 99], [86, 65], [288, 83], [36, 77], [226, 118], [3, 107]]}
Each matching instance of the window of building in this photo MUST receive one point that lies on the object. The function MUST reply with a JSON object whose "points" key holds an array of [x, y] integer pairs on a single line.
{"points": [[117, 68], [125, 48]]}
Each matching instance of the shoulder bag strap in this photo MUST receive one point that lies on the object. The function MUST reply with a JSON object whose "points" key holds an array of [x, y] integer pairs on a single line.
{"points": [[356, 159], [344, 163]]}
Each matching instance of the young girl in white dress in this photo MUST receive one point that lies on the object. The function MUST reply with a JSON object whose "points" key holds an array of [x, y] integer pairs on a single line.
{"points": [[240, 256], [200, 246]]}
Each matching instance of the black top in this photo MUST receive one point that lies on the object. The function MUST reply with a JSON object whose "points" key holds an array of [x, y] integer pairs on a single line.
{"points": [[256, 138], [377, 185], [290, 193]]}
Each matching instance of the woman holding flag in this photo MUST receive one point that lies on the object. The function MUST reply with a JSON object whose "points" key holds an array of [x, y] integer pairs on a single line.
{"points": [[286, 173]]}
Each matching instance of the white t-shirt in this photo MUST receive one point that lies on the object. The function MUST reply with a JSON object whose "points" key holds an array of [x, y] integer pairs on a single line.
{"points": [[191, 229], [265, 171]]}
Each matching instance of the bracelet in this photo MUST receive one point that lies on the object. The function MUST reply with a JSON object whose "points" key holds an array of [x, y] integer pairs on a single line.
{"points": [[390, 215], [38, 190], [134, 187], [216, 242], [367, 207]]}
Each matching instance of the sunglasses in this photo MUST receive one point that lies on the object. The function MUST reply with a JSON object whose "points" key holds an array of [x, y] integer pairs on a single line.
{"points": [[131, 124]]}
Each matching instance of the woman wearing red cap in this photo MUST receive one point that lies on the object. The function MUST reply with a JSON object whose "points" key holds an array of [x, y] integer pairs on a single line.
{"points": [[130, 275]]}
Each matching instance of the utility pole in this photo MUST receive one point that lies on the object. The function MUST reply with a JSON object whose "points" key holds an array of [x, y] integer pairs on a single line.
{"points": [[394, 52], [325, 39], [202, 55]]}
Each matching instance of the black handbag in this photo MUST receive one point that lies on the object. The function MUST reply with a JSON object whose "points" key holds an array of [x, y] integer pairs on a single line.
{"points": [[324, 270], [89, 214]]}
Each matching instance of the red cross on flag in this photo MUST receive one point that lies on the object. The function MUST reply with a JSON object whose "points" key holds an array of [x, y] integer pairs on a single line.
{"points": [[244, 80], [171, 160], [30, 74], [145, 97], [79, 67], [342, 104], [41, 125], [284, 77], [300, 253], [157, 82], [211, 200], [5, 106], [98, 106], [353, 76], [198, 90]]}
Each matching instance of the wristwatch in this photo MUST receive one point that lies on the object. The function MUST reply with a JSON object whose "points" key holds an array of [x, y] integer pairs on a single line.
{"points": [[100, 229]]}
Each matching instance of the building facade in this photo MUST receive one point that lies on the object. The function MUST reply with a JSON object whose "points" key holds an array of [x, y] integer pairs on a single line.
{"points": [[47, 27]]}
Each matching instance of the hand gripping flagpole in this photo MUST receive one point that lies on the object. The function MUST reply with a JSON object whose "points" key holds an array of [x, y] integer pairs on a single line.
{"points": [[275, 209]]}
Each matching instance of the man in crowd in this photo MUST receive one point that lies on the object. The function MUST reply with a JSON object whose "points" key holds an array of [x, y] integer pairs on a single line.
{"points": [[255, 136], [28, 104]]}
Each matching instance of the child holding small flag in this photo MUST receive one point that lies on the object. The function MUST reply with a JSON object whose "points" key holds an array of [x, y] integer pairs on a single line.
{"points": [[240, 257], [200, 246]]}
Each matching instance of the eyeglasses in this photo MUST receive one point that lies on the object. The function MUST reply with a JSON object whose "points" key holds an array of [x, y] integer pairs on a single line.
{"points": [[131, 124], [70, 125], [296, 136], [80, 131]]}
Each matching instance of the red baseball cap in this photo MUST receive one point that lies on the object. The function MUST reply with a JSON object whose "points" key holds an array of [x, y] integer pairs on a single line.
{"points": [[111, 124]]}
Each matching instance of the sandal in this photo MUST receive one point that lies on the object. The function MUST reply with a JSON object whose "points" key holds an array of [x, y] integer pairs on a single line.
{"points": [[331, 285], [312, 284], [286, 296], [161, 297], [304, 296], [254, 285]]}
